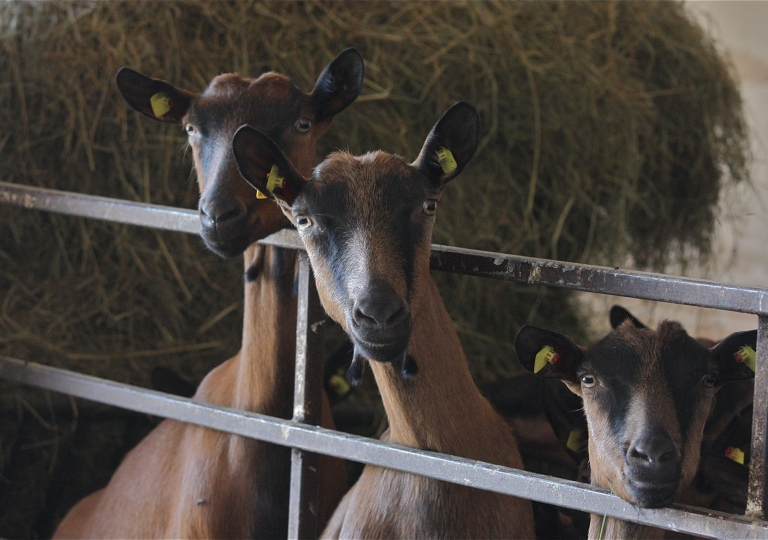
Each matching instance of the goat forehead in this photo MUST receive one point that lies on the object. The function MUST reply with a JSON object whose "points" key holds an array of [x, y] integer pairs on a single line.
{"points": [[264, 103]]}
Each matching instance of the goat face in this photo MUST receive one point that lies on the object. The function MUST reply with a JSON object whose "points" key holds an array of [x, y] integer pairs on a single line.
{"points": [[231, 216], [366, 222], [646, 397]]}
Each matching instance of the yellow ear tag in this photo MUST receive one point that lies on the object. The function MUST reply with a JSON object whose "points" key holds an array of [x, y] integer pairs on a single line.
{"points": [[160, 104], [546, 355], [746, 355], [735, 454], [339, 384], [446, 160], [273, 181], [574, 440]]}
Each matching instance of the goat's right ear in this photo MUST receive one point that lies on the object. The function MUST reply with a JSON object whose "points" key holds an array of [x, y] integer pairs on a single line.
{"points": [[548, 354], [450, 144], [154, 98], [265, 167], [618, 315]]}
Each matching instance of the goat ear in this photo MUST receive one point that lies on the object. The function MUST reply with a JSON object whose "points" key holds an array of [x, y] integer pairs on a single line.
{"points": [[450, 145], [338, 85], [155, 98], [559, 356], [618, 315], [265, 167], [735, 356]]}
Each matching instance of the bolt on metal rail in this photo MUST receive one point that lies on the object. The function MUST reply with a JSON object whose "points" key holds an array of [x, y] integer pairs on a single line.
{"points": [[306, 439]]}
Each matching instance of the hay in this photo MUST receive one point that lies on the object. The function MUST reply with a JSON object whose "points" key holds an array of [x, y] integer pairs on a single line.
{"points": [[609, 130]]}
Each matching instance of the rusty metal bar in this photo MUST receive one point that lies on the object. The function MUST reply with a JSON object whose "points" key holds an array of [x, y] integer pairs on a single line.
{"points": [[757, 505], [462, 471], [307, 404], [578, 277]]}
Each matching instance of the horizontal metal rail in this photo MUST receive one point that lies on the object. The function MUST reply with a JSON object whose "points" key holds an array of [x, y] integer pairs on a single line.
{"points": [[519, 269], [462, 471], [578, 277]]}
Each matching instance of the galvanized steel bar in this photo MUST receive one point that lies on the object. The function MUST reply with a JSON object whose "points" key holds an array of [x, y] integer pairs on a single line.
{"points": [[448, 468], [600, 279], [757, 503], [578, 277], [78, 204], [307, 404]]}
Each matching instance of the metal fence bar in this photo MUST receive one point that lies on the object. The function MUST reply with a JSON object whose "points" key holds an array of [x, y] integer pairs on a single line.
{"points": [[757, 505], [579, 277], [307, 404], [448, 468]]}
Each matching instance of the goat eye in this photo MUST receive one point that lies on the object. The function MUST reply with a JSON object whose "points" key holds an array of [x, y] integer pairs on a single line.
{"points": [[303, 125], [429, 207], [709, 380], [303, 223], [588, 381], [190, 129]]}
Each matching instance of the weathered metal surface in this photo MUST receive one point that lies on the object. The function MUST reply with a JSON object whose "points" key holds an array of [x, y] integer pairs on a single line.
{"points": [[452, 469], [757, 505], [579, 277], [307, 405], [77, 204], [600, 279]]}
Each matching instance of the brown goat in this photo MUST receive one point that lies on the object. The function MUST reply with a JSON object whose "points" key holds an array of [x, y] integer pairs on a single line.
{"points": [[367, 224], [185, 481], [647, 395]]}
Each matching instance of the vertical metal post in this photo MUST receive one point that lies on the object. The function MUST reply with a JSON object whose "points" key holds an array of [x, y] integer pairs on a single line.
{"points": [[756, 495], [307, 405]]}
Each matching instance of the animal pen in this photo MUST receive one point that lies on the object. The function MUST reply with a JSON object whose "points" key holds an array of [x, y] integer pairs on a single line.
{"points": [[305, 438]]}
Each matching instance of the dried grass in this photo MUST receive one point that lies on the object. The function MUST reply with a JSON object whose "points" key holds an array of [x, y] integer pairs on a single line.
{"points": [[609, 129]]}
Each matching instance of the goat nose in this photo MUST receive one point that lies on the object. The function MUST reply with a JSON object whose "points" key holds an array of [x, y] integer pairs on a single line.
{"points": [[380, 306], [655, 449], [215, 211]]}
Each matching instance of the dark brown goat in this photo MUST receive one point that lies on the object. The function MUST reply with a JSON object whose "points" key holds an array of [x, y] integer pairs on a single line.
{"points": [[367, 225], [184, 481], [647, 395]]}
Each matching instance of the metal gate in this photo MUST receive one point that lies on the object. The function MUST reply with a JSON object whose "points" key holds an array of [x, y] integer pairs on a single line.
{"points": [[306, 439]]}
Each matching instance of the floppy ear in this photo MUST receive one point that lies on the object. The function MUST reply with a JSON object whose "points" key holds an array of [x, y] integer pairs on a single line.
{"points": [[735, 356], [157, 99], [450, 145], [558, 356], [618, 315], [338, 85], [265, 167]]}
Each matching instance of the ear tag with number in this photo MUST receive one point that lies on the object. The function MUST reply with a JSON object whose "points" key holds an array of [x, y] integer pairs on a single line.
{"points": [[746, 355], [546, 355], [273, 180], [446, 160], [161, 104], [735, 454]]}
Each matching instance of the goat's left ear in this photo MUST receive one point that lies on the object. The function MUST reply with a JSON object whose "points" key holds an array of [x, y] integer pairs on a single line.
{"points": [[548, 354], [618, 315], [265, 167], [735, 356], [338, 85], [450, 145]]}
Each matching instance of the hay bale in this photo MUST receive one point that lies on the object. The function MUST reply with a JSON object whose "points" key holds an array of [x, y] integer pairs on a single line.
{"points": [[609, 130]]}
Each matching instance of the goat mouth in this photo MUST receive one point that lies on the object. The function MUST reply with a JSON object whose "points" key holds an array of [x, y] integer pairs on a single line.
{"points": [[381, 351], [651, 494]]}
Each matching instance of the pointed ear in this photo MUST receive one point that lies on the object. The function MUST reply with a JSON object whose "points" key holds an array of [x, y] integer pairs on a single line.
{"points": [[618, 315], [338, 85], [450, 145], [157, 99], [265, 167], [558, 356], [735, 356]]}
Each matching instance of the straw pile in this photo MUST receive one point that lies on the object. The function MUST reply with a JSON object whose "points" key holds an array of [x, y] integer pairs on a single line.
{"points": [[608, 131]]}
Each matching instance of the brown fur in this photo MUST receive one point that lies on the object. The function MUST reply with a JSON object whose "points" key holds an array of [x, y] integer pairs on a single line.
{"points": [[184, 481]]}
